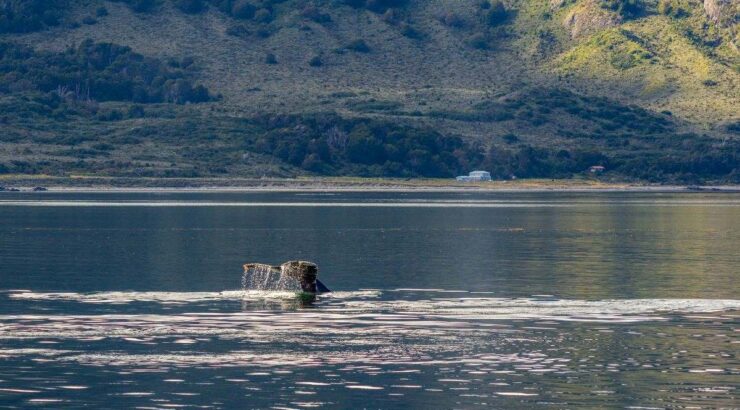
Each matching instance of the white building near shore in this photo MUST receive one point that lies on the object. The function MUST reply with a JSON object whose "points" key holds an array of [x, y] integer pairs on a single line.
{"points": [[475, 176]]}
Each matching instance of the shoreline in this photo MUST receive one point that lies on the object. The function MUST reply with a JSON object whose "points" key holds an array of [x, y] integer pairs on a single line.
{"points": [[84, 184]]}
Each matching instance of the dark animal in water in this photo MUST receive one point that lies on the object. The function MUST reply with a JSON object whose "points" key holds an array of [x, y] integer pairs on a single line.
{"points": [[306, 273]]}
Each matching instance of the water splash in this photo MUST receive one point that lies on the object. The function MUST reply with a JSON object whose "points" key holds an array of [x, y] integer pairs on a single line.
{"points": [[268, 278]]}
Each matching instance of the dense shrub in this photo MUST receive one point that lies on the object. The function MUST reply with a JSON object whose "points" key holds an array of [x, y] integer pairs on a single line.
{"points": [[263, 16], [334, 145], [190, 6], [243, 9], [409, 31], [734, 127], [359, 46], [626, 8], [314, 13], [377, 6], [140, 6], [496, 14], [22, 16], [97, 71], [478, 41], [316, 61], [451, 19], [672, 8]]}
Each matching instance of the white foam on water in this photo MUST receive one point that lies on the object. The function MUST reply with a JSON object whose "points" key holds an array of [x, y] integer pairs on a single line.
{"points": [[610, 310], [178, 297], [516, 394], [19, 391], [363, 387]]}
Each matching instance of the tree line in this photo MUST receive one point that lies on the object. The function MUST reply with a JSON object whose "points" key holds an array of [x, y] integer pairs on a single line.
{"points": [[100, 72]]}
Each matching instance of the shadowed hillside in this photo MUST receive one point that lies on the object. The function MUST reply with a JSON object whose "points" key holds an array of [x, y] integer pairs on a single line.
{"points": [[540, 88]]}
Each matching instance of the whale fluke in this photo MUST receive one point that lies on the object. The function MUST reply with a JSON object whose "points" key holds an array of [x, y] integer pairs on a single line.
{"points": [[306, 273]]}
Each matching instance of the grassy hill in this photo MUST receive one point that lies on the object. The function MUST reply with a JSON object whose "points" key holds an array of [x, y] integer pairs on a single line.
{"points": [[532, 88]]}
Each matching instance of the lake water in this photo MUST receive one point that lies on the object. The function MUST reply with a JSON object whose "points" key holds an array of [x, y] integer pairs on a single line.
{"points": [[442, 300]]}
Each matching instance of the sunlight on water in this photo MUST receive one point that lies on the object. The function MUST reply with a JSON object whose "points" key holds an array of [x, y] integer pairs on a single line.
{"points": [[467, 342], [454, 301], [177, 297]]}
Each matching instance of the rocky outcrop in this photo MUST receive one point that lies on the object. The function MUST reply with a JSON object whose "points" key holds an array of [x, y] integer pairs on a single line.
{"points": [[723, 12], [588, 18]]}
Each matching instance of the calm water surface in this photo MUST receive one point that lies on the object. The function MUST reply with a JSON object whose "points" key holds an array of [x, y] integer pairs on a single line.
{"points": [[620, 300]]}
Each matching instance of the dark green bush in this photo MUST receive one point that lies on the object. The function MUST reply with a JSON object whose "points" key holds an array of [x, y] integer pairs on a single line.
{"points": [[377, 6], [335, 146], [140, 6], [23, 16], [239, 30], [312, 12], [243, 9], [190, 6], [263, 16], [478, 41], [409, 31], [626, 8], [97, 71], [359, 46], [451, 19], [496, 14], [316, 61]]}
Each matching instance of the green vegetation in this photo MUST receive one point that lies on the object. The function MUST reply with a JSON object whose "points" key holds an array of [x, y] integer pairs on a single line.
{"points": [[316, 61], [332, 145], [378, 6], [190, 6], [179, 142], [496, 13], [97, 71], [22, 16], [140, 6], [626, 8], [646, 88], [359, 46]]}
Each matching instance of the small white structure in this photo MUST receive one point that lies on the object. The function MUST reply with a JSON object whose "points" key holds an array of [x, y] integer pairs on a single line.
{"points": [[596, 169], [475, 176]]}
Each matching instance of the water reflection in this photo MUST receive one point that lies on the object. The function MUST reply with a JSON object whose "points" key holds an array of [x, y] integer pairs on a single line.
{"points": [[407, 342], [480, 300]]}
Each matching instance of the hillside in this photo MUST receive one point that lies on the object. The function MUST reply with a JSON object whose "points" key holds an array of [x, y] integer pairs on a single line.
{"points": [[532, 88]]}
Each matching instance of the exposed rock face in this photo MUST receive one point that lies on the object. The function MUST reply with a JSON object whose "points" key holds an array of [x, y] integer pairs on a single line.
{"points": [[723, 12], [556, 4], [589, 18]]}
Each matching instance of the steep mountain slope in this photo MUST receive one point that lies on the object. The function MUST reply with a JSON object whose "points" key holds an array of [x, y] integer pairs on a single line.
{"points": [[531, 88]]}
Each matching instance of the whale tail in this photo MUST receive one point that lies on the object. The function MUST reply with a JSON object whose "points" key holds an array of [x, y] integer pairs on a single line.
{"points": [[321, 288], [306, 273]]}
